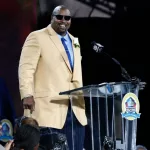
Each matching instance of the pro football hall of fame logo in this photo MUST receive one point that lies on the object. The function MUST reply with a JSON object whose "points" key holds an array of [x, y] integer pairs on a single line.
{"points": [[6, 131], [130, 107]]}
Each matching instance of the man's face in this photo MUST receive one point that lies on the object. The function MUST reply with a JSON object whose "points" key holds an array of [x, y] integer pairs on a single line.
{"points": [[61, 21]]}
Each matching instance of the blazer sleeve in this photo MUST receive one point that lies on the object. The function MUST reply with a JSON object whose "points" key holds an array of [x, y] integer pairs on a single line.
{"points": [[27, 65]]}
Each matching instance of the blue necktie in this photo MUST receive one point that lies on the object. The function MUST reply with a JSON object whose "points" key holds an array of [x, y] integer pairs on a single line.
{"points": [[67, 51]]}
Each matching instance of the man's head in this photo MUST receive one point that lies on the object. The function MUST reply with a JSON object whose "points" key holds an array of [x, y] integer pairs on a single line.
{"points": [[61, 20], [140, 147], [27, 137], [25, 120]]}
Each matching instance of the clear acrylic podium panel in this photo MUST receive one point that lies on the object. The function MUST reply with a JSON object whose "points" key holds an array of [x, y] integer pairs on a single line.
{"points": [[103, 110]]}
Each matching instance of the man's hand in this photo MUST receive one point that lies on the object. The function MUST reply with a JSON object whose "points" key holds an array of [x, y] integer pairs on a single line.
{"points": [[8, 145], [29, 103]]}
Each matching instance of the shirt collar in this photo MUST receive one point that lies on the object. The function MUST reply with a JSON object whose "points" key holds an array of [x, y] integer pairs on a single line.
{"points": [[65, 37]]}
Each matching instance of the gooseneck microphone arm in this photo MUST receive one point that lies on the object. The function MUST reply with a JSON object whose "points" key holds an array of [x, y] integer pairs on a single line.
{"points": [[99, 49], [124, 72]]}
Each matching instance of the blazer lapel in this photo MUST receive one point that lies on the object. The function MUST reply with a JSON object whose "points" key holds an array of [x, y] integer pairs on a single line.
{"points": [[54, 37], [75, 52]]}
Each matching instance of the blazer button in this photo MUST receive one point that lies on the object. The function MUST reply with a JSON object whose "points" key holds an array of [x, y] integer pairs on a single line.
{"points": [[71, 81]]}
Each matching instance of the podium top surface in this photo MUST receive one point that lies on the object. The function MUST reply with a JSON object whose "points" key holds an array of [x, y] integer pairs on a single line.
{"points": [[103, 89]]}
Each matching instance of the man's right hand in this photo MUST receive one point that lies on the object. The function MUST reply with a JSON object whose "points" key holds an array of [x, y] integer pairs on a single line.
{"points": [[29, 103]]}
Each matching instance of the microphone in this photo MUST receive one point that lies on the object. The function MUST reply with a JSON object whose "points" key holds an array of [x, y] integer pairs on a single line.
{"points": [[98, 48]]}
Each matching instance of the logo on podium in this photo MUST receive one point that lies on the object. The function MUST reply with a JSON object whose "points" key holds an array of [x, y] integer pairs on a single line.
{"points": [[130, 107]]}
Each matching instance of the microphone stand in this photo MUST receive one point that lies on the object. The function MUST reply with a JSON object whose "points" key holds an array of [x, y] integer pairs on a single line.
{"points": [[98, 48], [134, 80], [124, 73]]}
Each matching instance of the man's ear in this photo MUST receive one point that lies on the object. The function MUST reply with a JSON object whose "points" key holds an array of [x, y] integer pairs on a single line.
{"points": [[51, 18]]}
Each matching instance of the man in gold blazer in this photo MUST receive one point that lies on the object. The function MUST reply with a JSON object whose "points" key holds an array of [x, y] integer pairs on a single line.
{"points": [[45, 69]]}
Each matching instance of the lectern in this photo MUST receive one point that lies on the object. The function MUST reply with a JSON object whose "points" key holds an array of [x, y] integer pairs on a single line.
{"points": [[104, 114]]}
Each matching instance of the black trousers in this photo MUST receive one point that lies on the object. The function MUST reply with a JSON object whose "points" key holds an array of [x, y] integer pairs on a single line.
{"points": [[78, 132]]}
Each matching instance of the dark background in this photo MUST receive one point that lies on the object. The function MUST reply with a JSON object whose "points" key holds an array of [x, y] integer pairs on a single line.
{"points": [[123, 30]]}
